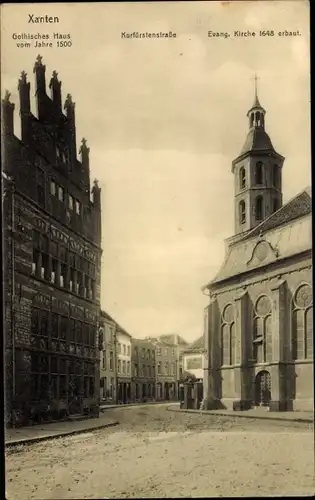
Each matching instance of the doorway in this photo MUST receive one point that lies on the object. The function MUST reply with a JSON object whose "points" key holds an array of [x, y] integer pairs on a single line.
{"points": [[263, 389]]}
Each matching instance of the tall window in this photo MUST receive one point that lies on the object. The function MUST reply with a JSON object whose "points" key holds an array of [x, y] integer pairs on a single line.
{"points": [[242, 212], [259, 208], [276, 204], [159, 367], [302, 323], [228, 336], [259, 173], [262, 330], [111, 360], [275, 176], [242, 178]]}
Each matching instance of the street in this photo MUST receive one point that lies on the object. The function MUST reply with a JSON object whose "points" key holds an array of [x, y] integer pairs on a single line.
{"points": [[156, 453]]}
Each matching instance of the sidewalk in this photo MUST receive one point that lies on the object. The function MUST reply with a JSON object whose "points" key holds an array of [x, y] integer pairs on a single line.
{"points": [[259, 413], [36, 433]]}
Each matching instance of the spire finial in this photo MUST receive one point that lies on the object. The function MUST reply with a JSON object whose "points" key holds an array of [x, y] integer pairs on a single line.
{"points": [[256, 78]]}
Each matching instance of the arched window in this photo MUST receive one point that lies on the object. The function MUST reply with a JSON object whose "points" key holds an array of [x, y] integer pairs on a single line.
{"points": [[242, 178], [302, 323], [242, 212], [257, 118], [228, 338], [262, 330], [259, 208], [259, 173], [251, 123]]}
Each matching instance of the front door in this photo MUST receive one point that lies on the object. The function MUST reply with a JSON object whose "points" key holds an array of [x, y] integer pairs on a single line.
{"points": [[263, 388]]}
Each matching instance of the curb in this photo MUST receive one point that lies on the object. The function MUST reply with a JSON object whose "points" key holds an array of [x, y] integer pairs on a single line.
{"points": [[129, 405], [33, 440], [257, 417]]}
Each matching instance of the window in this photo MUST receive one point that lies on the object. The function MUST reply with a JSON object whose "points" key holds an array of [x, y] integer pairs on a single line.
{"points": [[61, 194], [143, 352], [119, 366], [166, 352], [158, 351], [302, 323], [276, 204], [128, 367], [53, 188], [166, 368], [136, 370], [111, 360], [148, 354], [259, 173], [119, 348], [54, 270], [242, 212], [124, 366], [159, 368], [262, 330], [173, 352], [77, 207], [104, 360], [228, 355], [259, 207], [128, 350], [242, 178], [70, 202], [275, 176], [124, 349], [54, 325]]}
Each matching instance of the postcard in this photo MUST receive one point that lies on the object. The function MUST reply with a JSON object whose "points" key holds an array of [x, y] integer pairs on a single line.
{"points": [[157, 236]]}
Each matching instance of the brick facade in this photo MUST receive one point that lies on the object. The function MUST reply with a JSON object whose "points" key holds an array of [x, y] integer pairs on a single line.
{"points": [[52, 248]]}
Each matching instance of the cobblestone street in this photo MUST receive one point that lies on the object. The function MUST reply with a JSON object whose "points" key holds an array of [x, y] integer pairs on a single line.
{"points": [[159, 453]]}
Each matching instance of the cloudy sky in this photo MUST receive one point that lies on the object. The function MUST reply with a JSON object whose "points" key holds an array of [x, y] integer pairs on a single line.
{"points": [[164, 118]]}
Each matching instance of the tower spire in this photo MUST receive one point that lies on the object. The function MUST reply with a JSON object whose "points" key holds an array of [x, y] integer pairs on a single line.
{"points": [[256, 100]]}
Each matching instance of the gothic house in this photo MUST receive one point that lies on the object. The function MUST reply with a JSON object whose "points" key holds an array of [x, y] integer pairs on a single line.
{"points": [[52, 238]]}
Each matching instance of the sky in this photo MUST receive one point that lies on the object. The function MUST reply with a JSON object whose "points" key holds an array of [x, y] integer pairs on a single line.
{"points": [[164, 118]]}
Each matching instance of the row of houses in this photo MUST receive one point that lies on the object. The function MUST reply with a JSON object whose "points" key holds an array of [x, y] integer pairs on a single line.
{"points": [[134, 369]]}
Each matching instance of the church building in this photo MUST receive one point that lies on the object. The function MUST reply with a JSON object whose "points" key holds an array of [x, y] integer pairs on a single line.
{"points": [[259, 323]]}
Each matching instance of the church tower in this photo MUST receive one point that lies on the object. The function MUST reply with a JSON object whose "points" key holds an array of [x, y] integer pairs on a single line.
{"points": [[257, 174]]}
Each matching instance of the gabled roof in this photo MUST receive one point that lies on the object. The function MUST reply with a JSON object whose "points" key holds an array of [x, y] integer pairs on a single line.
{"points": [[105, 315], [295, 208], [286, 232], [197, 345]]}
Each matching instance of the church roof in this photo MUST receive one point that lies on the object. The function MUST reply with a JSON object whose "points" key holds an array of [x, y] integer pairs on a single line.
{"points": [[285, 233], [257, 140]]}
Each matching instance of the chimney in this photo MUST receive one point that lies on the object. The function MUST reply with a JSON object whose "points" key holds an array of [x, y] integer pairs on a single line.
{"points": [[55, 86], [8, 114]]}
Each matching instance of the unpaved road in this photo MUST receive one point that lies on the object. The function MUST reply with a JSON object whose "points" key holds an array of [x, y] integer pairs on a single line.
{"points": [[155, 453]]}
